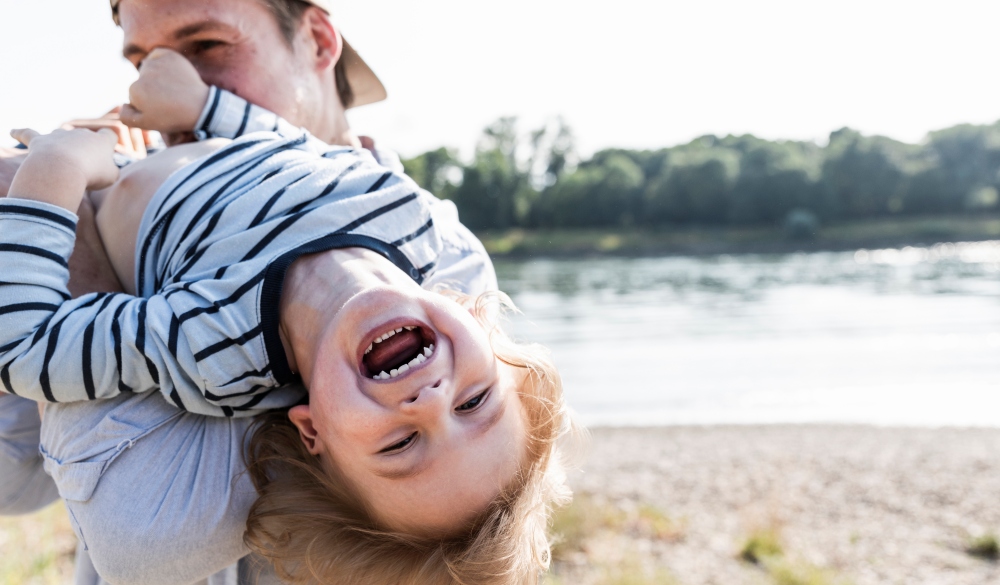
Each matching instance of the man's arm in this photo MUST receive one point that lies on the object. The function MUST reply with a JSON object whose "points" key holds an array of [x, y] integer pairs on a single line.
{"points": [[157, 496], [24, 486]]}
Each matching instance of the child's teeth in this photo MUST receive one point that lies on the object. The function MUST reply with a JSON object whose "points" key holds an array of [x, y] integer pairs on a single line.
{"points": [[428, 351], [404, 368], [393, 373], [369, 350], [384, 376], [390, 333]]}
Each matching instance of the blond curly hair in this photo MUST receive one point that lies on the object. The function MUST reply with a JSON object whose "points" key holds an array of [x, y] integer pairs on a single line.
{"points": [[313, 527]]}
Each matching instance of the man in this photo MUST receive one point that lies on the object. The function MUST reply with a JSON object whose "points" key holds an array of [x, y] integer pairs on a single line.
{"points": [[157, 495]]}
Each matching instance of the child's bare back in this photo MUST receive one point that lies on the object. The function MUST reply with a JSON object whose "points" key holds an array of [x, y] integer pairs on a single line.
{"points": [[121, 206]]}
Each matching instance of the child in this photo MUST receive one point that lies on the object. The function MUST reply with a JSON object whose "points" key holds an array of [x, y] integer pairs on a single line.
{"points": [[425, 451]]}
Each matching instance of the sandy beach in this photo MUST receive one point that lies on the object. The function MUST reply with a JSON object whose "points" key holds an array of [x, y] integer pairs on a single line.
{"points": [[843, 504], [677, 505]]}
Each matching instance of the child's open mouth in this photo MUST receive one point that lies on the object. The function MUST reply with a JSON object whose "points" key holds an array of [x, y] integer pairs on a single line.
{"points": [[396, 351]]}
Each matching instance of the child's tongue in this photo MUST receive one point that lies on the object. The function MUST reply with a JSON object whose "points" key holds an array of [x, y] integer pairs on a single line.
{"points": [[393, 352]]}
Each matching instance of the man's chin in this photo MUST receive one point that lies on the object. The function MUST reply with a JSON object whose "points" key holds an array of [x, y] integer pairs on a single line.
{"points": [[178, 138]]}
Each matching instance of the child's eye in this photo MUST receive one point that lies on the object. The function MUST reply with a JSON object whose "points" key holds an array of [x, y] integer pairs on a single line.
{"points": [[474, 403], [400, 445]]}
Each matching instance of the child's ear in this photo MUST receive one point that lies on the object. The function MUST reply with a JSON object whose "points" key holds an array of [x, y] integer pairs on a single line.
{"points": [[302, 419]]}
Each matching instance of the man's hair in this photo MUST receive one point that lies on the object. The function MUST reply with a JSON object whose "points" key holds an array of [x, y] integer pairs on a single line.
{"points": [[289, 13], [312, 525]]}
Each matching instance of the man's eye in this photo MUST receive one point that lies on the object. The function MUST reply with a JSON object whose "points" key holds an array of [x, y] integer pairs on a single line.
{"points": [[400, 445], [202, 46], [474, 402]]}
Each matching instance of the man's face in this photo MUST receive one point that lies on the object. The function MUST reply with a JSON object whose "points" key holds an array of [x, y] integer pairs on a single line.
{"points": [[234, 44]]}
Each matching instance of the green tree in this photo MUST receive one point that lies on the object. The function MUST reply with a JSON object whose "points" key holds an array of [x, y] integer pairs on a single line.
{"points": [[774, 178], [867, 176], [493, 182], [695, 188], [595, 195], [433, 169]]}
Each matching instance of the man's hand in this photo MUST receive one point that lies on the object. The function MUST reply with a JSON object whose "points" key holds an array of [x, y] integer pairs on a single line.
{"points": [[168, 96], [132, 142], [62, 165]]}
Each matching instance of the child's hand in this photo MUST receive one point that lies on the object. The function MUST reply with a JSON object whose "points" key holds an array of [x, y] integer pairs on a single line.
{"points": [[168, 96], [62, 165]]}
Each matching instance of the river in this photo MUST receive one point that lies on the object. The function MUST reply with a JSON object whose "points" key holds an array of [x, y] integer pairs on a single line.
{"points": [[890, 337]]}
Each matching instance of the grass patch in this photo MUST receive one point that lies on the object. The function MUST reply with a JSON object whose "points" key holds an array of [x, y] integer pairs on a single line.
{"points": [[762, 544], [985, 547], [783, 572], [572, 525], [765, 549], [652, 522], [633, 572], [37, 549]]}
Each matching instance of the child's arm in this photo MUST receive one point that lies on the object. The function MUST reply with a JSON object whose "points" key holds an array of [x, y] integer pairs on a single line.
{"points": [[170, 97], [56, 349]]}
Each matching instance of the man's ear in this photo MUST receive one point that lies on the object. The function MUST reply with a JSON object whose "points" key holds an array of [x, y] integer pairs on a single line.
{"points": [[326, 41], [301, 417]]}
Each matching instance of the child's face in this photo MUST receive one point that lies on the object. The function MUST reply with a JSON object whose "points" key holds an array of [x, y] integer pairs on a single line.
{"points": [[431, 447]]}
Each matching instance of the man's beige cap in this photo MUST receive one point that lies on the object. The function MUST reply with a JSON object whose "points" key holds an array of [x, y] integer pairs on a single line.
{"points": [[365, 85]]}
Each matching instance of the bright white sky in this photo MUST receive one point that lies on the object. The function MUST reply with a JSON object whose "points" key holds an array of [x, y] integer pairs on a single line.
{"points": [[633, 73]]}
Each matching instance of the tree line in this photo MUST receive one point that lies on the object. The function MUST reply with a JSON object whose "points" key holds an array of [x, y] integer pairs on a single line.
{"points": [[536, 180]]}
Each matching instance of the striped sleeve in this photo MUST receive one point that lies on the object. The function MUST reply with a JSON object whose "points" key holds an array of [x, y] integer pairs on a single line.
{"points": [[57, 349], [227, 115]]}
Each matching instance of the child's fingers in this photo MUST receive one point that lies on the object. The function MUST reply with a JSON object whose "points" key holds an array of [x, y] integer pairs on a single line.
{"points": [[131, 116], [23, 135], [138, 142], [158, 53]]}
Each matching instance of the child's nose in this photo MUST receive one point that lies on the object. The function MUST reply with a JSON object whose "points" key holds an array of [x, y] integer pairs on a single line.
{"points": [[428, 400]]}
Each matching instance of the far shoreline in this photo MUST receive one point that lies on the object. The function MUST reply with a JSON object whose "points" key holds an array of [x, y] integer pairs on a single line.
{"points": [[522, 244]]}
